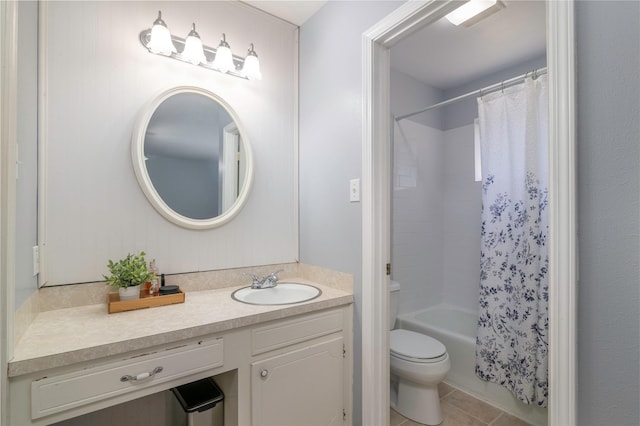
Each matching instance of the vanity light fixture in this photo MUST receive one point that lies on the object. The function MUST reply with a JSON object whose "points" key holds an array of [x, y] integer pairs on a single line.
{"points": [[160, 41], [474, 11]]}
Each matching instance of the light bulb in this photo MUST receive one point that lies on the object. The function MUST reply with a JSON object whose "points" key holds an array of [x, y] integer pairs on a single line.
{"points": [[193, 48], [160, 41], [224, 59], [251, 67]]}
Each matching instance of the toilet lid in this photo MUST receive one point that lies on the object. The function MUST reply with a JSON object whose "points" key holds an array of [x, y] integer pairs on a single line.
{"points": [[409, 344]]}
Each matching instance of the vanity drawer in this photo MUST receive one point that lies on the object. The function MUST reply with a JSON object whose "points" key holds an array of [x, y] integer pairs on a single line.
{"points": [[285, 333], [58, 393]]}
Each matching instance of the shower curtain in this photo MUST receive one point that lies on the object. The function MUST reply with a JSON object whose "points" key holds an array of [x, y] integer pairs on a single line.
{"points": [[511, 346]]}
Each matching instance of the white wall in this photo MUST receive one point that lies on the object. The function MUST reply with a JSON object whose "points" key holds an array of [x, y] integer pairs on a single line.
{"points": [[27, 182], [99, 76]]}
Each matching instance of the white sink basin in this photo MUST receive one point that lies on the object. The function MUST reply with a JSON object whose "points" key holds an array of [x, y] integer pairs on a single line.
{"points": [[282, 294]]}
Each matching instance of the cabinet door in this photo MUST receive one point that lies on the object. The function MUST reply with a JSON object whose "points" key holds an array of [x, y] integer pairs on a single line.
{"points": [[299, 388]]}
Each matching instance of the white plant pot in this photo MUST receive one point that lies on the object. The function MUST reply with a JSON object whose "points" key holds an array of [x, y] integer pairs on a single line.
{"points": [[129, 293]]}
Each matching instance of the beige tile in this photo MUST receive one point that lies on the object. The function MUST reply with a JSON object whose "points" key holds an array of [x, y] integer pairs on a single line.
{"points": [[508, 420], [411, 423], [472, 406], [456, 417], [444, 389], [395, 419]]}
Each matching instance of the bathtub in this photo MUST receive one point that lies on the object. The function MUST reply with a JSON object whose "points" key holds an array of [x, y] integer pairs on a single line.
{"points": [[456, 329]]}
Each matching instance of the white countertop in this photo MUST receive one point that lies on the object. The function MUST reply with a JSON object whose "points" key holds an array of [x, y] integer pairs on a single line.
{"points": [[67, 336]]}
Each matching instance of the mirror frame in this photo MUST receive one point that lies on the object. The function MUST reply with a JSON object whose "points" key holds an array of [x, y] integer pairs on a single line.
{"points": [[144, 180]]}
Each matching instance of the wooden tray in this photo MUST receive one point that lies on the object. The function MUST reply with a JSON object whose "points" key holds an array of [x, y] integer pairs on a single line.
{"points": [[116, 305]]}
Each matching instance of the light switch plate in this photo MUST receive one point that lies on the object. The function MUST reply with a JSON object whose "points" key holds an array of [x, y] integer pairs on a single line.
{"points": [[35, 250], [354, 190]]}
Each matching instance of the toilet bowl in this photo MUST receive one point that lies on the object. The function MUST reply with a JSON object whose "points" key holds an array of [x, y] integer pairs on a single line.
{"points": [[418, 364]]}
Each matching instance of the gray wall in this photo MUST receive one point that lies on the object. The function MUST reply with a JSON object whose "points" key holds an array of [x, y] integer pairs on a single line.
{"points": [[608, 90], [608, 156], [409, 95], [331, 142]]}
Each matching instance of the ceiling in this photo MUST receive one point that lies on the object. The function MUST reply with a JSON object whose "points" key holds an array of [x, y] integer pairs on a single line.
{"points": [[443, 55], [294, 11]]}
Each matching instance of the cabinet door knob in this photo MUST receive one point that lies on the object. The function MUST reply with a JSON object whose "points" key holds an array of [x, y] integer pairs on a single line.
{"points": [[264, 373]]}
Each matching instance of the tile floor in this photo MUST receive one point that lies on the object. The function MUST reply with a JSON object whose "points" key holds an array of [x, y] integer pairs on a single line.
{"points": [[461, 409]]}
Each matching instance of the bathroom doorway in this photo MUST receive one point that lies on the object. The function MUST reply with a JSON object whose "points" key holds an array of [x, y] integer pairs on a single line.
{"points": [[376, 204], [438, 74]]}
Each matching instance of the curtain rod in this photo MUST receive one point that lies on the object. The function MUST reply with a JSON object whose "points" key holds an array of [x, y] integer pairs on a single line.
{"points": [[483, 91]]}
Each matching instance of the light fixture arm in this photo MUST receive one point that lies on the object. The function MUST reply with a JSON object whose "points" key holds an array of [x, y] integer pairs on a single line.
{"points": [[223, 41]]}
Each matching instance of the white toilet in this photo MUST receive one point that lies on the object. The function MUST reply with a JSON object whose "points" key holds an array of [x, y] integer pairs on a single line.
{"points": [[418, 364]]}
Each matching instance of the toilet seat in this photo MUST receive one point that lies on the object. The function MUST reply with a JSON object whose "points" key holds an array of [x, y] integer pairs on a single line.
{"points": [[416, 347]]}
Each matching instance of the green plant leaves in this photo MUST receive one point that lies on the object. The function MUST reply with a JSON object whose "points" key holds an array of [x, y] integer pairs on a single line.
{"points": [[128, 272]]}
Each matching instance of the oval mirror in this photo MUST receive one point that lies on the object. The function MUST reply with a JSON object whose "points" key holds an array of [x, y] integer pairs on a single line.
{"points": [[191, 158]]}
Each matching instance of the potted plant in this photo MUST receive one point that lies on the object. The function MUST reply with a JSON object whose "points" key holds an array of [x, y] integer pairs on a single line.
{"points": [[128, 274]]}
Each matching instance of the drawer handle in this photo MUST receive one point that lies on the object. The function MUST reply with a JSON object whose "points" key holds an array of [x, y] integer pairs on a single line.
{"points": [[141, 376], [264, 373]]}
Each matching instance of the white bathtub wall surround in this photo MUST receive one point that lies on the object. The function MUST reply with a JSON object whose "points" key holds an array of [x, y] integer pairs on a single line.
{"points": [[461, 221], [435, 217], [456, 329], [417, 232], [98, 77]]}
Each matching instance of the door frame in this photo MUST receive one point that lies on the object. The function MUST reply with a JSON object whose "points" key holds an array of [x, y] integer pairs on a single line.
{"points": [[376, 172]]}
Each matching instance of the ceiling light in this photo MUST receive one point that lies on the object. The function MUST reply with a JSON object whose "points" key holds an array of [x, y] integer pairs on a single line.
{"points": [[474, 11]]}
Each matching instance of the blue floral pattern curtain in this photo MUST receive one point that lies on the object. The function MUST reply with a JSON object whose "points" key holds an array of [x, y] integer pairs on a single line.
{"points": [[511, 346]]}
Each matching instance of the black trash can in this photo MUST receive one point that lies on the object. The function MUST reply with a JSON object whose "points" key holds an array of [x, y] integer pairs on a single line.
{"points": [[202, 401]]}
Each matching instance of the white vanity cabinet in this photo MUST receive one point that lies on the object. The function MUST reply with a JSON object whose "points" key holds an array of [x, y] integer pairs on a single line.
{"points": [[301, 371], [290, 367], [82, 387], [302, 387], [54, 395]]}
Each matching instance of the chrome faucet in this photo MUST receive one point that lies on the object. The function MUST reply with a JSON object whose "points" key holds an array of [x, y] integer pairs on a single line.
{"points": [[267, 281]]}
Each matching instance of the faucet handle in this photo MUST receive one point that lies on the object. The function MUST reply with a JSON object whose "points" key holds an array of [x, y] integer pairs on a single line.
{"points": [[274, 275], [256, 279]]}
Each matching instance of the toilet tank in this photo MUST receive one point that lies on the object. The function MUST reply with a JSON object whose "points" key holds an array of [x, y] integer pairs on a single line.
{"points": [[394, 299]]}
